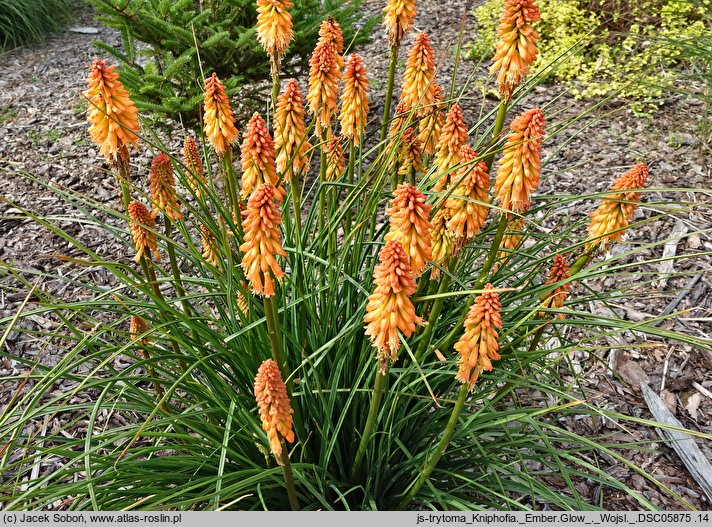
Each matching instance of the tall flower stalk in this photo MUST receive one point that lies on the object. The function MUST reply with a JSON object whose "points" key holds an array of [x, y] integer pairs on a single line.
{"points": [[114, 121], [274, 31]]}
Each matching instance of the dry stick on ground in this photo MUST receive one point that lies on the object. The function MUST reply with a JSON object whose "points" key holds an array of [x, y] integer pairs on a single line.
{"points": [[697, 464]]}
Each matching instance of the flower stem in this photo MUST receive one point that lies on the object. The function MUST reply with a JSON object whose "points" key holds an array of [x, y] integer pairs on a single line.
{"points": [[389, 96], [175, 270], [433, 318], [230, 178], [378, 390], [350, 180], [289, 478], [432, 461]]}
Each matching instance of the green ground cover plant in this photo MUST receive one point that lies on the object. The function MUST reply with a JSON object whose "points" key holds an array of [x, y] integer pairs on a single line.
{"points": [[638, 51], [394, 331]]}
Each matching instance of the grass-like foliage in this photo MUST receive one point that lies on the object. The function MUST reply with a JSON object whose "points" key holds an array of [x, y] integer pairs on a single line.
{"points": [[152, 405], [25, 21]]}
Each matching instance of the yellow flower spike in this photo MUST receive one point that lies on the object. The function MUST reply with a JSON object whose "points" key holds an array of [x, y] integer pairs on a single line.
{"points": [[257, 158], [261, 222], [162, 185], [143, 231], [395, 135], [210, 251], [478, 345], [290, 137], [443, 241], [516, 48], [410, 154], [555, 299], [354, 99], [399, 17], [335, 160], [274, 26], [195, 175], [111, 113], [389, 308], [275, 409], [324, 78], [511, 239], [330, 33], [520, 165], [242, 303], [409, 224], [218, 119], [452, 136], [610, 220], [468, 217], [418, 89], [432, 122]]}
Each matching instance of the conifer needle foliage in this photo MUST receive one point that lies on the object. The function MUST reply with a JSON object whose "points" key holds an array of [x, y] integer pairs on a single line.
{"points": [[306, 316]]}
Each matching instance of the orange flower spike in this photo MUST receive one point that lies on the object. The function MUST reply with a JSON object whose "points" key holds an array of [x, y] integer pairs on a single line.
{"points": [[137, 330], [478, 345], [162, 185], [210, 247], [218, 119], [452, 137], [274, 407], [260, 222], [330, 33], [409, 225], [195, 175], [520, 165], [443, 241], [610, 220], [418, 89], [290, 137], [516, 48], [472, 183], [274, 26], [555, 299], [432, 122], [354, 99], [111, 113], [389, 308], [257, 158], [335, 160], [399, 17], [410, 154], [143, 231], [324, 78]]}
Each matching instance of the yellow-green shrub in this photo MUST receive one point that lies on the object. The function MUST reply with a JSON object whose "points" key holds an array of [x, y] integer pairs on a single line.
{"points": [[602, 47]]}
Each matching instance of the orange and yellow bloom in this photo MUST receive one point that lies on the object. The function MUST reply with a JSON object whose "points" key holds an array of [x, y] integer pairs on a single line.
{"points": [[354, 99], [335, 160], [478, 345], [399, 17], [290, 136], [257, 158], [418, 89], [210, 251], [516, 48], [195, 175], [520, 165], [217, 117], [274, 407], [324, 79], [452, 136], [555, 298], [274, 26], [261, 222], [467, 205], [409, 224], [162, 185], [611, 219], [432, 122], [112, 114], [389, 308], [143, 231]]}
